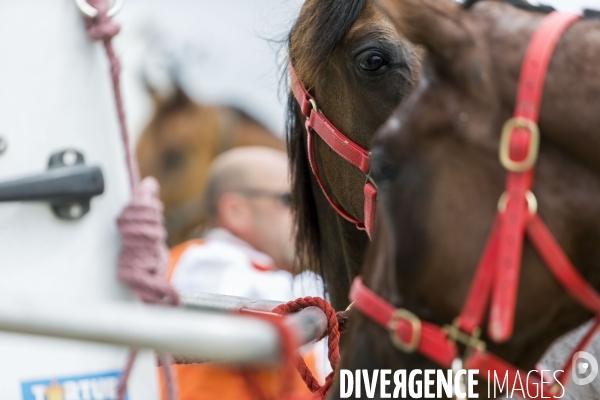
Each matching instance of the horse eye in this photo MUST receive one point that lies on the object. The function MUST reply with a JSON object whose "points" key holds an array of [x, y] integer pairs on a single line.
{"points": [[372, 62], [172, 159]]}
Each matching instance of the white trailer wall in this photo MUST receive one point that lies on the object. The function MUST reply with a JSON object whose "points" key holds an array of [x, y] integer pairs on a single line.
{"points": [[55, 94]]}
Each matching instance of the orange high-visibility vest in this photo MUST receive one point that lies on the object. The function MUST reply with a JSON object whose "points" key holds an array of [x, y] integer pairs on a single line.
{"points": [[208, 381]]}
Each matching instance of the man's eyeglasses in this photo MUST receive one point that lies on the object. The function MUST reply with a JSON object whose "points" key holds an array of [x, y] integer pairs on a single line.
{"points": [[284, 198]]}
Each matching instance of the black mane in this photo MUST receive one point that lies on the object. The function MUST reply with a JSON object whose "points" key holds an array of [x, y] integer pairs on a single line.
{"points": [[522, 4], [318, 31], [593, 14]]}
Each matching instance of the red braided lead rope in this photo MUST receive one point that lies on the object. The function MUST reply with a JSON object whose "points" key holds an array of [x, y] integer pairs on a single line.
{"points": [[143, 259], [332, 333], [290, 355]]}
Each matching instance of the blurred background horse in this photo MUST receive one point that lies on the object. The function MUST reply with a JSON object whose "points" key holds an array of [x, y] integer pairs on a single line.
{"points": [[178, 146]]}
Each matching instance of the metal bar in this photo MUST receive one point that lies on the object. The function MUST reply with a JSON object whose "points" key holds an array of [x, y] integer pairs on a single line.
{"points": [[199, 335], [219, 302], [205, 335], [309, 324]]}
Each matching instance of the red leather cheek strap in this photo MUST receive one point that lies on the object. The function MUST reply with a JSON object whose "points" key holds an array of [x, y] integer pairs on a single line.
{"points": [[300, 93], [522, 141], [339, 143], [511, 229], [315, 170], [342, 146], [370, 195]]}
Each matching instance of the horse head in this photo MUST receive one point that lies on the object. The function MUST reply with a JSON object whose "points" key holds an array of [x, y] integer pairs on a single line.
{"points": [[178, 146], [436, 164], [357, 67]]}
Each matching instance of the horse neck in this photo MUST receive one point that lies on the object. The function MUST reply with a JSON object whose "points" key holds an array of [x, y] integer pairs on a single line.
{"points": [[342, 247]]}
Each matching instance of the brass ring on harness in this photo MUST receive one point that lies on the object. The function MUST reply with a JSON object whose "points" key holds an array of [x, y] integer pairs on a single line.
{"points": [[532, 153], [313, 105], [532, 203], [415, 323]]}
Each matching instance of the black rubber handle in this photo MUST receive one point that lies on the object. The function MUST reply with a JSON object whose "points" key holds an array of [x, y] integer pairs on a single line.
{"points": [[56, 185]]}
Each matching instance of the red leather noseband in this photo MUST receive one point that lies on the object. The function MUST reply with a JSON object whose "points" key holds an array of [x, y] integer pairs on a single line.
{"points": [[497, 275], [342, 145]]}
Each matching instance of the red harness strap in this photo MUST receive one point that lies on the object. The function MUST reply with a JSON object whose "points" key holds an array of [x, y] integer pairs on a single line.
{"points": [[497, 275], [518, 153], [439, 344], [342, 145]]}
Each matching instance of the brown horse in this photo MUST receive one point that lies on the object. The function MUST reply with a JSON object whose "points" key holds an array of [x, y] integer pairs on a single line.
{"points": [[436, 164], [358, 68], [178, 146]]}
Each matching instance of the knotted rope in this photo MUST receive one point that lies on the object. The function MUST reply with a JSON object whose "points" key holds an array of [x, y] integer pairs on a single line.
{"points": [[144, 255], [290, 355], [333, 345], [343, 321]]}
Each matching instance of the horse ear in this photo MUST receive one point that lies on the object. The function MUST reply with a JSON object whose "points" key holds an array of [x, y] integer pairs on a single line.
{"points": [[435, 24], [180, 97], [168, 95]]}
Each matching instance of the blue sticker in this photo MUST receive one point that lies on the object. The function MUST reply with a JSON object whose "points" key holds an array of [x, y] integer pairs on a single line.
{"points": [[86, 387]]}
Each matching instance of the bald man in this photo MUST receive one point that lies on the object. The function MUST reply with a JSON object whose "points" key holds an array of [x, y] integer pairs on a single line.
{"points": [[248, 194], [248, 251]]}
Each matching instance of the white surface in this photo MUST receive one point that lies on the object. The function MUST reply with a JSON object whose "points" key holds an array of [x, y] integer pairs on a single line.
{"points": [[56, 95], [226, 51]]}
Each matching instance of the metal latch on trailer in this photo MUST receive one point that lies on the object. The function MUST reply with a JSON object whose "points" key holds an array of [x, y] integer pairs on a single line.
{"points": [[68, 185]]}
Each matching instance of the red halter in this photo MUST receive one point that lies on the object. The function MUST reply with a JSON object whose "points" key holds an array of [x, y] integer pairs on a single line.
{"points": [[497, 275], [342, 145]]}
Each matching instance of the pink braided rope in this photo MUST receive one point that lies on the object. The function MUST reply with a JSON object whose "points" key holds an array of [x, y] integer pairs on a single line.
{"points": [[103, 28], [144, 255]]}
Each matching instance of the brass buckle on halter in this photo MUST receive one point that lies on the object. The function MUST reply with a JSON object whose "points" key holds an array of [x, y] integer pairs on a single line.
{"points": [[529, 161], [471, 342], [532, 203], [415, 323]]}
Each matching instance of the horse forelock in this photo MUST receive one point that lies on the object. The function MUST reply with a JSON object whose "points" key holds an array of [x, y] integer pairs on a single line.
{"points": [[318, 31]]}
